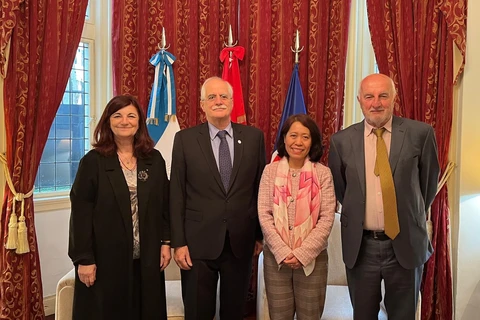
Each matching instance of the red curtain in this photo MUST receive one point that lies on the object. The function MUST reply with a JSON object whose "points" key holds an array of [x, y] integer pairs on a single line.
{"points": [[413, 43], [267, 32], [195, 31], [43, 42], [136, 34], [8, 19]]}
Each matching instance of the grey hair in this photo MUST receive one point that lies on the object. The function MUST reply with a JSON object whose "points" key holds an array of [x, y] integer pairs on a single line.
{"points": [[203, 90]]}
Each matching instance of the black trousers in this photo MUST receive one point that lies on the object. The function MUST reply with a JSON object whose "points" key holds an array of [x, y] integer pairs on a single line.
{"points": [[376, 262], [199, 286]]}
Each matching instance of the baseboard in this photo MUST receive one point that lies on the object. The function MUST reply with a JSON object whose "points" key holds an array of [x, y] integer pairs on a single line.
{"points": [[49, 305]]}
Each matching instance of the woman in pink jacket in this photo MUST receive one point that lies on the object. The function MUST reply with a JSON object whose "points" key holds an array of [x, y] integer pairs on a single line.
{"points": [[296, 207]]}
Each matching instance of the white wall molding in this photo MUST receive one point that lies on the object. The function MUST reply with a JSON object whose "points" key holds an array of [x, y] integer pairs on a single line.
{"points": [[49, 305]]}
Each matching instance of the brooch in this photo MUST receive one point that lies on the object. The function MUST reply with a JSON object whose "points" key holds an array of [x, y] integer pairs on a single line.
{"points": [[143, 175]]}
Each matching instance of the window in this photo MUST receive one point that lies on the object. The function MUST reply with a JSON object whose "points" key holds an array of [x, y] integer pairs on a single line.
{"points": [[69, 136], [87, 91]]}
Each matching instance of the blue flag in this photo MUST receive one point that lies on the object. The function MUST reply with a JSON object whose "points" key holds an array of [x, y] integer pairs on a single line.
{"points": [[294, 104]]}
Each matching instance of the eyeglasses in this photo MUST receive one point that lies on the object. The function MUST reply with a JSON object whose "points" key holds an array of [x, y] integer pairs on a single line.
{"points": [[213, 97]]}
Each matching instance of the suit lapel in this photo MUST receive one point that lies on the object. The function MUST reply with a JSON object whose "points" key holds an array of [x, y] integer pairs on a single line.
{"points": [[144, 184], [237, 150], [396, 144], [206, 147], [122, 194], [358, 147]]}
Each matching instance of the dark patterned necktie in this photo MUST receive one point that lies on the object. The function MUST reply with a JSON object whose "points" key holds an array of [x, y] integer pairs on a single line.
{"points": [[224, 159], [382, 169]]}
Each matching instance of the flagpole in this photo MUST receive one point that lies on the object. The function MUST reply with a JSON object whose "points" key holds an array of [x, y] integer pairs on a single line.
{"points": [[294, 102], [162, 123], [230, 55], [164, 41], [297, 49], [230, 43]]}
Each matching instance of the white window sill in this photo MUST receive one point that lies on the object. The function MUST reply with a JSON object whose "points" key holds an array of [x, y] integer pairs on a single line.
{"points": [[51, 202]]}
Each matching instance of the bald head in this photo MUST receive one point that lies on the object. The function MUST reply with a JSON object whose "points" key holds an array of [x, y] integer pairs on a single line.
{"points": [[378, 77], [376, 96]]}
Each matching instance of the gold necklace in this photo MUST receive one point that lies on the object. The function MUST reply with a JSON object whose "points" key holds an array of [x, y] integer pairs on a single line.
{"points": [[124, 165]]}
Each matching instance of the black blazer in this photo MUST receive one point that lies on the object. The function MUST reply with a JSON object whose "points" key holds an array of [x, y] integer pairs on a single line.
{"points": [[101, 233], [414, 162], [201, 211]]}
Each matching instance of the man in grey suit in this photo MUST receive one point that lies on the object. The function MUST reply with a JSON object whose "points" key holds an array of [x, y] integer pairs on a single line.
{"points": [[216, 171], [370, 251]]}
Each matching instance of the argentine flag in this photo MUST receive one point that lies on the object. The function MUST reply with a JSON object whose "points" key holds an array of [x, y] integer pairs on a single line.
{"points": [[162, 122]]}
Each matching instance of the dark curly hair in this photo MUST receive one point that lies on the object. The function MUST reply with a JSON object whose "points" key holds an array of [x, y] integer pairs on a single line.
{"points": [[316, 149], [103, 137]]}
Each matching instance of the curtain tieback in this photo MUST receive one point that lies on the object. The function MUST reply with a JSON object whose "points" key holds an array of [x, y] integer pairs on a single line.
{"points": [[17, 228]]}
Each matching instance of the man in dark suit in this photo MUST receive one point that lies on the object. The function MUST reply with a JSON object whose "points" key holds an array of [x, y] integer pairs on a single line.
{"points": [[370, 203], [213, 208]]}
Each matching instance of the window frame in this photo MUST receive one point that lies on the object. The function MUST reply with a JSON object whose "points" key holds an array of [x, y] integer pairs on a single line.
{"points": [[56, 200]]}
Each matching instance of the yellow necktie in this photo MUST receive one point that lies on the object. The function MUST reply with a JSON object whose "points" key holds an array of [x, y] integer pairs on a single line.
{"points": [[382, 169]]}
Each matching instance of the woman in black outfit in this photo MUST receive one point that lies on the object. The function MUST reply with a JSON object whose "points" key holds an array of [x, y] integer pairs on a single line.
{"points": [[119, 223]]}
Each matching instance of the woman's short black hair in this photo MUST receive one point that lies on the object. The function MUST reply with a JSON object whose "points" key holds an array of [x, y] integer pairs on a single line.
{"points": [[316, 149]]}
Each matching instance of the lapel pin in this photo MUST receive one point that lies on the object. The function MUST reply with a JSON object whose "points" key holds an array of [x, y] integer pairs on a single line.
{"points": [[239, 141]]}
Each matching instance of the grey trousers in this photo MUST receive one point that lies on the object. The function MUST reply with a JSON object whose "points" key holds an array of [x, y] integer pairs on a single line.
{"points": [[376, 261], [290, 291]]}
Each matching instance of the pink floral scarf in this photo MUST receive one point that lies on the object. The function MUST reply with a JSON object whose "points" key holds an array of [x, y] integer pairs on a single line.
{"points": [[307, 207]]}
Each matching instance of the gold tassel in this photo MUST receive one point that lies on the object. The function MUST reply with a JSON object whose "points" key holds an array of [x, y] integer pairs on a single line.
{"points": [[429, 225], [22, 246], [12, 239], [17, 228], [429, 230], [153, 121]]}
